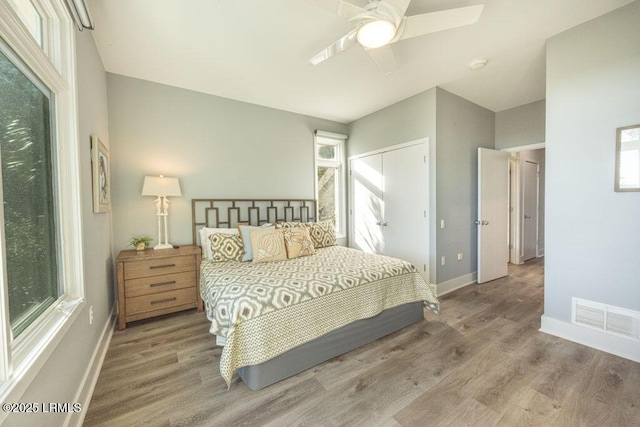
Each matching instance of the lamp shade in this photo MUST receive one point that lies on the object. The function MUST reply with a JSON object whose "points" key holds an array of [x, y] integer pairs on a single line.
{"points": [[161, 186]]}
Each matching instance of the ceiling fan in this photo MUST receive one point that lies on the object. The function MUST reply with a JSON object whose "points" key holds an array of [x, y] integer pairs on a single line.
{"points": [[380, 23]]}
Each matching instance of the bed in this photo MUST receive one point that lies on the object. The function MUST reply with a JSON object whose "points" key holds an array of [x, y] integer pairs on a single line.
{"points": [[279, 318]]}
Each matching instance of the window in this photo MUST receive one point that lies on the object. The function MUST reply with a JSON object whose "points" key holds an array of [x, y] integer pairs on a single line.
{"points": [[28, 199], [41, 277], [30, 17], [330, 185]]}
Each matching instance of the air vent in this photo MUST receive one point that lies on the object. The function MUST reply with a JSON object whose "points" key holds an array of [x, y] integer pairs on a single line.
{"points": [[589, 316], [607, 318]]}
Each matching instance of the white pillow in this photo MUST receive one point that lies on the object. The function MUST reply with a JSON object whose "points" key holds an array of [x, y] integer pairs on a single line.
{"points": [[204, 239]]}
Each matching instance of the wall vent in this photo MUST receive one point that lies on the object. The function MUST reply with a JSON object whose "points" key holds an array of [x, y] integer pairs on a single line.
{"points": [[607, 318]]}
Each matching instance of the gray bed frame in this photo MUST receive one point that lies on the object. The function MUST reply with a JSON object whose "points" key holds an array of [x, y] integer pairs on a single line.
{"points": [[227, 213]]}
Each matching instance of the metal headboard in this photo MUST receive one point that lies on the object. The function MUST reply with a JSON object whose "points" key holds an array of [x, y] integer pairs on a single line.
{"points": [[227, 213]]}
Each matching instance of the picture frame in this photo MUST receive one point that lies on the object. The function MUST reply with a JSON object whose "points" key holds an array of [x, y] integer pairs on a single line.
{"points": [[101, 176]]}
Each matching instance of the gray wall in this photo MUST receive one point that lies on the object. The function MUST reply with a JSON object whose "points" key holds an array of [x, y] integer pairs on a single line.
{"points": [[592, 233], [405, 121], [462, 127], [60, 378], [217, 148], [523, 125], [456, 128]]}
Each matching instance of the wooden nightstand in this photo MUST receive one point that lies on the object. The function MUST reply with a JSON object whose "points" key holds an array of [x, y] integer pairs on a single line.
{"points": [[156, 282]]}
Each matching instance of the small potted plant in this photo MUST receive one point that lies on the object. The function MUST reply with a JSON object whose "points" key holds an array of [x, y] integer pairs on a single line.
{"points": [[140, 243]]}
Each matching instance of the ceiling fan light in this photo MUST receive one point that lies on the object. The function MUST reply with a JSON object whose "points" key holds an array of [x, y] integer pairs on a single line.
{"points": [[376, 34]]}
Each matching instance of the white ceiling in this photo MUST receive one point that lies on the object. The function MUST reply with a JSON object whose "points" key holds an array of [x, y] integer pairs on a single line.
{"points": [[257, 50]]}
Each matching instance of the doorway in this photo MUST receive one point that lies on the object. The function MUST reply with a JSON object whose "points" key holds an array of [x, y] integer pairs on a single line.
{"points": [[510, 224], [526, 204]]}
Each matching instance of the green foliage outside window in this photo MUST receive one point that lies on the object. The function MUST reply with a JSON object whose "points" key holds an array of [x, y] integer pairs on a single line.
{"points": [[28, 189], [327, 194]]}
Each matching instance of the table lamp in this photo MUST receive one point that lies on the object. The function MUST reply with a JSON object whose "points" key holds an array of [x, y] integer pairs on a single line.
{"points": [[161, 187]]}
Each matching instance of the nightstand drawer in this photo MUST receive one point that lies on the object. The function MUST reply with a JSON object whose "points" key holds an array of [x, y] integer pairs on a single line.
{"points": [[145, 303], [160, 266], [156, 284]]}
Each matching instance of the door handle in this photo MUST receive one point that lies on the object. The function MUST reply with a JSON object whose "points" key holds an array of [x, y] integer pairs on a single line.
{"points": [[384, 223], [378, 222], [527, 217], [485, 222], [478, 222]]}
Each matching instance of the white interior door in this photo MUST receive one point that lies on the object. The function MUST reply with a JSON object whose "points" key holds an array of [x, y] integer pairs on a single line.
{"points": [[405, 226], [493, 209], [530, 208], [368, 206]]}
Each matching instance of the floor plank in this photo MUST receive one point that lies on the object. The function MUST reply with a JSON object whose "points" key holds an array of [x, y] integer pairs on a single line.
{"points": [[481, 362]]}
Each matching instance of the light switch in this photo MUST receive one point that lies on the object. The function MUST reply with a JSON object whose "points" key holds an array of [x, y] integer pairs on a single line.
{"points": [[442, 223]]}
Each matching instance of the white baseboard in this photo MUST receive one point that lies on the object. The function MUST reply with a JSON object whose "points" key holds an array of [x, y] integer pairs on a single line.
{"points": [[540, 253], [591, 338], [90, 377], [456, 283]]}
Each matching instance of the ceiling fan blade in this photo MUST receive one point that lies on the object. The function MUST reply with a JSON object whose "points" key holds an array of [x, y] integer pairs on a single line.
{"points": [[342, 44], [426, 23], [339, 7], [384, 57], [400, 5]]}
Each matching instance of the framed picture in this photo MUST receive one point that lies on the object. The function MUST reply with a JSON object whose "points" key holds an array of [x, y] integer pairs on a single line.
{"points": [[101, 176]]}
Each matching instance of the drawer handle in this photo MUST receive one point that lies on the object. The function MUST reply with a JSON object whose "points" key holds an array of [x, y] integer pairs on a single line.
{"points": [[162, 266], [160, 301], [153, 285]]}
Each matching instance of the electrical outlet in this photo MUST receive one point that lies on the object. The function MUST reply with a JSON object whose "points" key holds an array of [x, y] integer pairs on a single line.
{"points": [[443, 260], [91, 315], [442, 223], [460, 256]]}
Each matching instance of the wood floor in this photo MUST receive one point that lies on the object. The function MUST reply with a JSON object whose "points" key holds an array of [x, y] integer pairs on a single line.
{"points": [[481, 362]]}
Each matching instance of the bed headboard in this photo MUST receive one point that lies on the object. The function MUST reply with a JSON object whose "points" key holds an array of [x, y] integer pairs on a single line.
{"points": [[227, 213]]}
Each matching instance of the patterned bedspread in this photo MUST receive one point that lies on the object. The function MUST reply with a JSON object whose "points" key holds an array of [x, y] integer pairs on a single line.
{"points": [[265, 309]]}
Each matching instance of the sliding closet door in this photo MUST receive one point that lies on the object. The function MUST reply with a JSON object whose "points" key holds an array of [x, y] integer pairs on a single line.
{"points": [[367, 203], [406, 231], [389, 203]]}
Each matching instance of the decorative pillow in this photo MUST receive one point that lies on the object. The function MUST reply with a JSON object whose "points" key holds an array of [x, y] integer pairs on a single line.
{"points": [[226, 247], [245, 230], [288, 224], [297, 242], [267, 245], [204, 238], [323, 234]]}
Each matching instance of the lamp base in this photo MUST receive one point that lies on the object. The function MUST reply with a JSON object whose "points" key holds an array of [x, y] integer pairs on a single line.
{"points": [[163, 246]]}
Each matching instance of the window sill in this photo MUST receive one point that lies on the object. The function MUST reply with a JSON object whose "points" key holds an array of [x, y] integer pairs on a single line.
{"points": [[31, 353]]}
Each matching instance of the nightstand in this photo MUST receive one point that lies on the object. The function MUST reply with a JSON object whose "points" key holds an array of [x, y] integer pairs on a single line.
{"points": [[156, 282]]}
